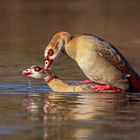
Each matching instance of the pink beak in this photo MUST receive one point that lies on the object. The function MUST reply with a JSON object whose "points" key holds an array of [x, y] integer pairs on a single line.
{"points": [[26, 72], [47, 64]]}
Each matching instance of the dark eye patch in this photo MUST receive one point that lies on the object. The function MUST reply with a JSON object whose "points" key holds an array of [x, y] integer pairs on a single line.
{"points": [[37, 68], [50, 52]]}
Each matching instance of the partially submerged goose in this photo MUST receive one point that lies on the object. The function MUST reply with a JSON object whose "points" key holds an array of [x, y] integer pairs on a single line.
{"points": [[58, 85], [100, 61]]}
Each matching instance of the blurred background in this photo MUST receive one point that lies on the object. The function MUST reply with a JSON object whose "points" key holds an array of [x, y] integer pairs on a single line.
{"points": [[27, 26]]}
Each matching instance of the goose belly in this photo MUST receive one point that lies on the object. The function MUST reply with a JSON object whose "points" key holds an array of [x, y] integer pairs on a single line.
{"points": [[103, 72]]}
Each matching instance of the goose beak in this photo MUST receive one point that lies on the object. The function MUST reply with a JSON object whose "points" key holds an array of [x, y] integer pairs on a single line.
{"points": [[26, 72], [48, 64]]}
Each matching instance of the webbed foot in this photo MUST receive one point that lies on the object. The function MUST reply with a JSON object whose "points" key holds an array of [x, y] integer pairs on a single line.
{"points": [[86, 81], [106, 87]]}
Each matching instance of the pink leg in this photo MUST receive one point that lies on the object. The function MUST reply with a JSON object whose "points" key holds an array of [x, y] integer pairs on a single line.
{"points": [[105, 87], [86, 81]]}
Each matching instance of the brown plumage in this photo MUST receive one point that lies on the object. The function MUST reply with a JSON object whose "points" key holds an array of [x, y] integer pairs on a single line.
{"points": [[55, 83], [98, 59]]}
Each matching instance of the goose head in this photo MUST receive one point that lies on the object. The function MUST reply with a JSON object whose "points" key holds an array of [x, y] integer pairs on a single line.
{"points": [[54, 48], [35, 72]]}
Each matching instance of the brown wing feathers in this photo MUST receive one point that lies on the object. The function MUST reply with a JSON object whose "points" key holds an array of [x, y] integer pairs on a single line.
{"points": [[114, 57], [110, 53]]}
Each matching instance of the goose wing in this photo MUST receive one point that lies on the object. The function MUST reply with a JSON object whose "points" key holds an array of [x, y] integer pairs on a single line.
{"points": [[111, 54]]}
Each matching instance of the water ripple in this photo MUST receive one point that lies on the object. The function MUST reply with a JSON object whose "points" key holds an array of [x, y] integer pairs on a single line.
{"points": [[19, 89]]}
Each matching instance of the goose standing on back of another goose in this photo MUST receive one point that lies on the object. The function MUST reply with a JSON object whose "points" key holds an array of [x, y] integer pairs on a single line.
{"points": [[100, 61]]}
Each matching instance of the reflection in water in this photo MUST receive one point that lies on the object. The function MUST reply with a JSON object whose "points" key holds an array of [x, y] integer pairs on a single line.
{"points": [[73, 115]]}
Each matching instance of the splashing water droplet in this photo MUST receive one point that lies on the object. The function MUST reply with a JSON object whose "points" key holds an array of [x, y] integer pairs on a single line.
{"points": [[30, 86], [29, 82]]}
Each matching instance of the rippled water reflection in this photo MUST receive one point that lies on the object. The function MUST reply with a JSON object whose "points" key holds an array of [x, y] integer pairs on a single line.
{"points": [[70, 116], [26, 27]]}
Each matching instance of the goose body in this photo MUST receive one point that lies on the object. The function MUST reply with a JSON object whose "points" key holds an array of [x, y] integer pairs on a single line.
{"points": [[59, 85], [92, 64], [55, 83], [100, 61]]}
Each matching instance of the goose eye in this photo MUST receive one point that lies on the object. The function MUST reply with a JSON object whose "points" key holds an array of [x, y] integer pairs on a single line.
{"points": [[50, 52], [37, 69]]}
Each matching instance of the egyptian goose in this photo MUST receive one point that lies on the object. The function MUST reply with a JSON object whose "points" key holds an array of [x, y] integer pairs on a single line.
{"points": [[56, 84], [100, 61]]}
